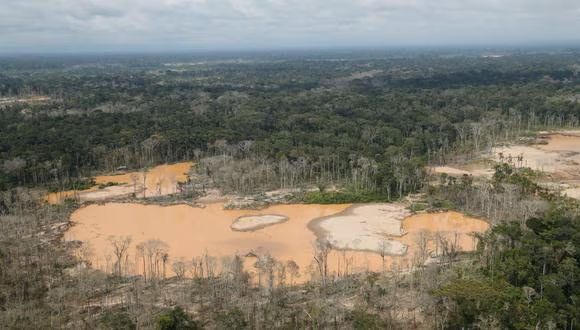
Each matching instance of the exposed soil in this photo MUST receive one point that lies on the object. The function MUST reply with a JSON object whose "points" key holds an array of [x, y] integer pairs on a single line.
{"points": [[365, 228], [255, 222], [557, 155], [159, 181]]}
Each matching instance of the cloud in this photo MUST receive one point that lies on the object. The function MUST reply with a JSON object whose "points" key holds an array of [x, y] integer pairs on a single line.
{"points": [[208, 24]]}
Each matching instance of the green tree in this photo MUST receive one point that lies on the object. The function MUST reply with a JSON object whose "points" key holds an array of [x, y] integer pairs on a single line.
{"points": [[175, 319]]}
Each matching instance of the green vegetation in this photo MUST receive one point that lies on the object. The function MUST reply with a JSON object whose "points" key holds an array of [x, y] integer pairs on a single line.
{"points": [[291, 113], [527, 276], [118, 321], [108, 184], [80, 184], [176, 319], [343, 197]]}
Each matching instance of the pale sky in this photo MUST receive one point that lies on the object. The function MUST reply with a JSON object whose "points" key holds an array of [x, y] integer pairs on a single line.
{"points": [[173, 25]]}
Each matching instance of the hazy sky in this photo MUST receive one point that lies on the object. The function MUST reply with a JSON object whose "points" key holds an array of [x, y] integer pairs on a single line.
{"points": [[165, 25]]}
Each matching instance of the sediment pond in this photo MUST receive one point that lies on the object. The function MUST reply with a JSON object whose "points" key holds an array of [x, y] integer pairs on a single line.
{"points": [[191, 232], [157, 181]]}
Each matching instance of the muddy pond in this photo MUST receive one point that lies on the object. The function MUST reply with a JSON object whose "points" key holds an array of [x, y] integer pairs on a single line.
{"points": [[157, 181], [360, 235]]}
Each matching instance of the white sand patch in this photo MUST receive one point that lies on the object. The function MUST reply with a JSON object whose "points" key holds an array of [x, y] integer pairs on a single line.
{"points": [[365, 228], [476, 170], [572, 193], [94, 194], [106, 193], [255, 222]]}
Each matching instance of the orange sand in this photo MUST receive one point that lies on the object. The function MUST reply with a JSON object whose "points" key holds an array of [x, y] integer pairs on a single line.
{"points": [[160, 180]]}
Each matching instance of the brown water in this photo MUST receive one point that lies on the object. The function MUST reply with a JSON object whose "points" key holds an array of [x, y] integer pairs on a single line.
{"points": [[191, 232], [434, 228], [159, 180]]}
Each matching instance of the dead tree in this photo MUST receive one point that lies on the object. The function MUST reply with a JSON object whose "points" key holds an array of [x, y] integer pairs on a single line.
{"points": [[120, 247], [321, 250]]}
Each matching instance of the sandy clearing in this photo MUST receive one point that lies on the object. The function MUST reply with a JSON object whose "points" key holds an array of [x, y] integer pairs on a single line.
{"points": [[562, 142], [453, 171], [106, 193], [255, 222], [559, 156], [572, 193], [365, 228], [159, 181], [474, 169], [534, 158]]}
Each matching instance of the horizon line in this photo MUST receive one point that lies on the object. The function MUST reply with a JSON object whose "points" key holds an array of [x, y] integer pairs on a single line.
{"points": [[545, 45]]}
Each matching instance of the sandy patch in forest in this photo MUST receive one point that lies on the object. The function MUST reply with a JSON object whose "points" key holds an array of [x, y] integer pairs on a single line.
{"points": [[157, 181], [91, 195], [106, 193], [448, 170], [532, 157], [559, 156], [365, 228], [472, 169], [255, 222], [572, 193]]}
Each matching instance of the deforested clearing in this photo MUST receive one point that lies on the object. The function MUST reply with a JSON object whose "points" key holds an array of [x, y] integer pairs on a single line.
{"points": [[365, 228], [558, 154], [158, 181]]}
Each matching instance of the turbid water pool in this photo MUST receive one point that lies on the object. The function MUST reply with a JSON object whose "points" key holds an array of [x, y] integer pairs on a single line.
{"points": [[191, 232]]}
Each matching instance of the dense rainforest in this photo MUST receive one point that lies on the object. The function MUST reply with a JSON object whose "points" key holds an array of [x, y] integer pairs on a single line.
{"points": [[334, 113], [365, 122]]}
